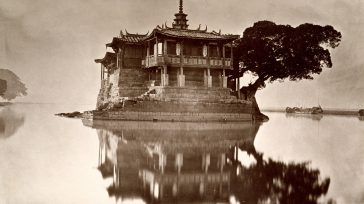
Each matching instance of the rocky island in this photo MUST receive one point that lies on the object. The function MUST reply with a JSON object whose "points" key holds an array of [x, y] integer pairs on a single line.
{"points": [[172, 74]]}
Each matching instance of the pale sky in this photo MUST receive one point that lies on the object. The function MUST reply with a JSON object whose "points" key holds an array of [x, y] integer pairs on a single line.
{"points": [[51, 45]]}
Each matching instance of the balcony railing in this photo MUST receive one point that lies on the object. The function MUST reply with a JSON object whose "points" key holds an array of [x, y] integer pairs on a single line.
{"points": [[188, 61]]}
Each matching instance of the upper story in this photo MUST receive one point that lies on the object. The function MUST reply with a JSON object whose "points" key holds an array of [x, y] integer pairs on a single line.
{"points": [[175, 47]]}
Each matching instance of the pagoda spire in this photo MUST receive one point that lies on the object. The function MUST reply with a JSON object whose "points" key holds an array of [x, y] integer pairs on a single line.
{"points": [[180, 6], [180, 22]]}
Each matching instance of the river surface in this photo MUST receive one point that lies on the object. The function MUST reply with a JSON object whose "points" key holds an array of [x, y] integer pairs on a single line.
{"points": [[50, 159]]}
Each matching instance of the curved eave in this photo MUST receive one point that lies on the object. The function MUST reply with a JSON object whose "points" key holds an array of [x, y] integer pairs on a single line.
{"points": [[227, 38], [108, 58], [115, 41]]}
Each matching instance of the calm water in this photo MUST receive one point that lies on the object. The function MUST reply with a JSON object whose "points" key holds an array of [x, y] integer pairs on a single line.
{"points": [[48, 159]]}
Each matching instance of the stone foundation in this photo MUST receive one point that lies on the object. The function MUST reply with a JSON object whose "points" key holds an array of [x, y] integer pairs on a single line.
{"points": [[127, 94], [167, 116]]}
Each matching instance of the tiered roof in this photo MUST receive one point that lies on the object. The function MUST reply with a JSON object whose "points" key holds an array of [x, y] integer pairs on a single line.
{"points": [[191, 34]]}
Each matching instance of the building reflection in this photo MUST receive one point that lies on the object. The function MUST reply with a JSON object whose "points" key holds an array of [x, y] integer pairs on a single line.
{"points": [[197, 162]]}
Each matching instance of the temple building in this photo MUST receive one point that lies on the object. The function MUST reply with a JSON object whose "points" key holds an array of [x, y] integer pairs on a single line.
{"points": [[181, 70]]}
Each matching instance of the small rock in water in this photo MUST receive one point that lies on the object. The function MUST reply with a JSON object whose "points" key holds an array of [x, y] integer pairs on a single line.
{"points": [[74, 114]]}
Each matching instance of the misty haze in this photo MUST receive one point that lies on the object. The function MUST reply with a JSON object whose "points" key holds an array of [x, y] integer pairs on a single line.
{"points": [[181, 101]]}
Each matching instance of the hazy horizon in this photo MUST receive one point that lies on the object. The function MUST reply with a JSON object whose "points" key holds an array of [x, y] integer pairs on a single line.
{"points": [[51, 46]]}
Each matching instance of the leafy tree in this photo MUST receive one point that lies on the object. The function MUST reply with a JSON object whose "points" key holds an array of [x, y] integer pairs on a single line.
{"points": [[274, 52], [14, 87]]}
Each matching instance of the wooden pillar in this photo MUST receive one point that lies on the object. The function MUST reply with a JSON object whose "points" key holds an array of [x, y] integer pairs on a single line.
{"points": [[117, 59], [224, 79], [231, 54], [156, 47], [182, 56], [238, 81], [205, 77], [223, 55], [209, 77], [165, 76], [231, 65], [156, 75], [181, 77], [161, 76], [148, 53], [236, 152], [103, 72], [165, 51]]}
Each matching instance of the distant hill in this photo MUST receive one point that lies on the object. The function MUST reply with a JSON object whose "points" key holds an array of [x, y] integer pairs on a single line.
{"points": [[2, 86], [10, 85]]}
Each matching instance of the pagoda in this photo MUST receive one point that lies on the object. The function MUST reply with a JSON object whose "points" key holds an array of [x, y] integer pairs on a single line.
{"points": [[173, 73]]}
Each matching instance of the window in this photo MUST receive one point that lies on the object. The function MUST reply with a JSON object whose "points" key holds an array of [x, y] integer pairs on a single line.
{"points": [[192, 49], [227, 52], [151, 49], [171, 48], [213, 51]]}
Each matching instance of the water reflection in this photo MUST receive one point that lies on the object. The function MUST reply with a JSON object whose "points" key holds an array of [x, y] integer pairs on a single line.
{"points": [[10, 122], [317, 117], [269, 181], [198, 162]]}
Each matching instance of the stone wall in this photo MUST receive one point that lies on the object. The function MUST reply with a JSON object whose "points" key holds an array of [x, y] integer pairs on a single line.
{"points": [[167, 116], [133, 77], [195, 94], [194, 77], [186, 107], [122, 83], [101, 99], [132, 91], [114, 84]]}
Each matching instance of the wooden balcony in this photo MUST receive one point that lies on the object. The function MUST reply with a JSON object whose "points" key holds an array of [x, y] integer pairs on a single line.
{"points": [[187, 61]]}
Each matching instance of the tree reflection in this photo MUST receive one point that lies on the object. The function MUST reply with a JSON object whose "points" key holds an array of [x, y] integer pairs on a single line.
{"points": [[270, 181], [10, 122]]}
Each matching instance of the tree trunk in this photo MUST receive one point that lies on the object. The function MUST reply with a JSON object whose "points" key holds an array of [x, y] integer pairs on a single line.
{"points": [[248, 93], [258, 116]]}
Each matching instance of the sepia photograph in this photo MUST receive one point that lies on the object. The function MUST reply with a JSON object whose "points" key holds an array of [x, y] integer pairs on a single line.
{"points": [[181, 101]]}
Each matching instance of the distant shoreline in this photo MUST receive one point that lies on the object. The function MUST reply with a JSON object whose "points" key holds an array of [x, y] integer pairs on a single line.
{"points": [[326, 112]]}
